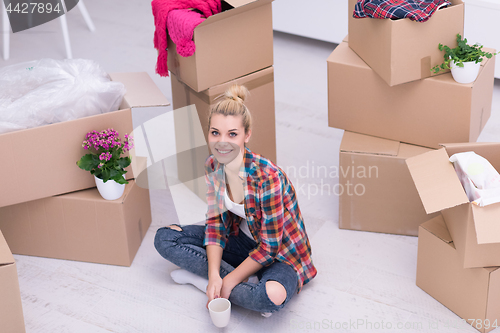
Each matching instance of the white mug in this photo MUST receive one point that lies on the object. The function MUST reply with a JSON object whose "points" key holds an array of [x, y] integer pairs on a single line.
{"points": [[220, 311]]}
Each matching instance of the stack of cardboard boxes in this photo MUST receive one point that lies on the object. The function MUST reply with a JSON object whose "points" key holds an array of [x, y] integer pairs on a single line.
{"points": [[11, 309], [458, 250], [382, 93], [49, 207], [234, 46], [395, 114]]}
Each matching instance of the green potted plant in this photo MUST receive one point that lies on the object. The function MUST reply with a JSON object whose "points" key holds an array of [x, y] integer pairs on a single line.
{"points": [[463, 60], [105, 162]]}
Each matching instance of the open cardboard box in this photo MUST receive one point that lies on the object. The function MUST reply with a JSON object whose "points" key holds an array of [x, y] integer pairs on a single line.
{"points": [[376, 190], [471, 293], [11, 308], [402, 50], [236, 42], [261, 104], [475, 230], [425, 112], [41, 162], [80, 226]]}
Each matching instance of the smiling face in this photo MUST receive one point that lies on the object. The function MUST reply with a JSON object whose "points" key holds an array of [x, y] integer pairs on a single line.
{"points": [[227, 137]]}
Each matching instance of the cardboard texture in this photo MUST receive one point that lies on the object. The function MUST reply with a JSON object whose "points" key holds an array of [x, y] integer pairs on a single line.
{"points": [[11, 309], [471, 293], [41, 162], [378, 193], [80, 226], [474, 229], [236, 42], [260, 103], [401, 51], [359, 101]]}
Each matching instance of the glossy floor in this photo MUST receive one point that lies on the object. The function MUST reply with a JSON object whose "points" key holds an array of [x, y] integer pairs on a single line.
{"points": [[363, 277]]}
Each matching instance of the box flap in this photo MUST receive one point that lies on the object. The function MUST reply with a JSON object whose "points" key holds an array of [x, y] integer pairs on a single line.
{"points": [[366, 144], [141, 90], [491, 269], [436, 181], [344, 55], [6, 257], [493, 305], [486, 222], [467, 146], [250, 81], [92, 194], [239, 7], [488, 150], [437, 227], [407, 150], [239, 3]]}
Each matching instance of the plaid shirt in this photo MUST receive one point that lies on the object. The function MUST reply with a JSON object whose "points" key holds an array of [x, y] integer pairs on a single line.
{"points": [[415, 10], [272, 212]]}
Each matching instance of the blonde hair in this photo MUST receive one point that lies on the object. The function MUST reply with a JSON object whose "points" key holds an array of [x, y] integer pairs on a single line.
{"points": [[231, 103]]}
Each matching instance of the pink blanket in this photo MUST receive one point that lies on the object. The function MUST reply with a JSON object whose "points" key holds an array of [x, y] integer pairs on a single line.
{"points": [[180, 27], [161, 9]]}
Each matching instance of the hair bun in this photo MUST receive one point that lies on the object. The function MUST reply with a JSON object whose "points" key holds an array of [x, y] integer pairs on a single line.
{"points": [[230, 103], [237, 93]]}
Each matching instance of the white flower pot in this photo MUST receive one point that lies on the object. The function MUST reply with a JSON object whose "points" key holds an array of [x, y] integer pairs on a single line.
{"points": [[109, 190], [466, 74]]}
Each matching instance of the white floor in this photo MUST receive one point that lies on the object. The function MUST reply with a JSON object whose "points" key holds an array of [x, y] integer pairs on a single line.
{"points": [[365, 278]]}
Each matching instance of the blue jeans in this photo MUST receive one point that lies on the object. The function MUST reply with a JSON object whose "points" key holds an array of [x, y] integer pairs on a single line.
{"points": [[185, 249]]}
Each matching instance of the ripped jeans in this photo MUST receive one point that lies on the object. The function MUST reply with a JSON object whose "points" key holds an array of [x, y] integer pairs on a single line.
{"points": [[185, 249]]}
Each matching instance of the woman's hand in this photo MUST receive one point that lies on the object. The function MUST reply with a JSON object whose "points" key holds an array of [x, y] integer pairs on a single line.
{"points": [[228, 283], [214, 287], [214, 255]]}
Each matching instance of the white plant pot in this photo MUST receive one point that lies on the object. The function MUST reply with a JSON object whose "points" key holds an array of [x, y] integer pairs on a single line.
{"points": [[109, 190], [466, 74]]}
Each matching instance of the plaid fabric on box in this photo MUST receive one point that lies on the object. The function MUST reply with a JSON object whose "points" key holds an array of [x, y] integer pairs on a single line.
{"points": [[415, 10]]}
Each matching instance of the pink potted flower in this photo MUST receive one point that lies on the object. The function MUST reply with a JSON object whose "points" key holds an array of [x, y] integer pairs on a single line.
{"points": [[105, 161]]}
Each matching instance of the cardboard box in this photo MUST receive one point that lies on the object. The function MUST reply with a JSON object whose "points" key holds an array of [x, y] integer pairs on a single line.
{"points": [[471, 293], [41, 162], [376, 192], [80, 226], [475, 230], [236, 42], [402, 50], [425, 112], [260, 103], [11, 308]]}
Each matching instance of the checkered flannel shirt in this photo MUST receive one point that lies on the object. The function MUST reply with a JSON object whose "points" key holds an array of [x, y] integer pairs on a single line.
{"points": [[416, 10]]}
